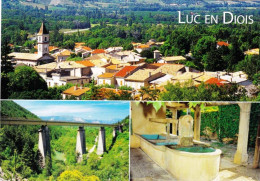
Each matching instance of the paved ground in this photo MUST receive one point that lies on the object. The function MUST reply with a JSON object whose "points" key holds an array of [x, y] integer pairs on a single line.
{"points": [[144, 169], [230, 171]]}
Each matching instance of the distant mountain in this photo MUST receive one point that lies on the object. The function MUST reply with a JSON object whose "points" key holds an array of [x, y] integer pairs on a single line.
{"points": [[12, 109], [78, 119]]}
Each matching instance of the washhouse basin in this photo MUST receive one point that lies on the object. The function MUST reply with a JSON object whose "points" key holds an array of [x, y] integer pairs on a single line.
{"points": [[159, 140]]}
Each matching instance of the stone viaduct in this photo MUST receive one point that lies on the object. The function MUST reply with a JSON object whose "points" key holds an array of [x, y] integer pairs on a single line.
{"points": [[44, 135]]}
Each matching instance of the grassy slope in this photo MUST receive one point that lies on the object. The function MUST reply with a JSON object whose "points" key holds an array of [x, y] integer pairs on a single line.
{"points": [[12, 109]]}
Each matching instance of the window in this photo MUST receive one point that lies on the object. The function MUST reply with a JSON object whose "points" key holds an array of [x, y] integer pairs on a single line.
{"points": [[121, 82], [45, 38], [104, 82], [39, 38]]}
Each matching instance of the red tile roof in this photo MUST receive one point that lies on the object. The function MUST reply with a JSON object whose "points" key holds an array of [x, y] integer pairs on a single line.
{"points": [[87, 63], [98, 51], [106, 75], [222, 43], [76, 91], [158, 64], [86, 48], [124, 71], [216, 81]]}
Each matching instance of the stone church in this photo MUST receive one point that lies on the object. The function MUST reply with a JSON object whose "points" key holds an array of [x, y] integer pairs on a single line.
{"points": [[42, 57]]}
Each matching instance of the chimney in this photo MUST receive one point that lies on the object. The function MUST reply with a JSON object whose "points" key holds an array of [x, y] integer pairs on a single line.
{"points": [[75, 88], [150, 74], [187, 69]]}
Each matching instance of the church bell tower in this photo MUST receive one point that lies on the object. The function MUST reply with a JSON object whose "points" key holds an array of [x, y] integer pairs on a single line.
{"points": [[43, 40]]}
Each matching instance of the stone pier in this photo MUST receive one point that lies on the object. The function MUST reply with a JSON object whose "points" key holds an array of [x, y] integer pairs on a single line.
{"points": [[120, 127], [241, 156], [101, 148], [115, 132], [44, 145], [81, 144]]}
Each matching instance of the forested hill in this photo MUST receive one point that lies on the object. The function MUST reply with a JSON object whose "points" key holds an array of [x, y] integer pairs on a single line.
{"points": [[12, 109]]}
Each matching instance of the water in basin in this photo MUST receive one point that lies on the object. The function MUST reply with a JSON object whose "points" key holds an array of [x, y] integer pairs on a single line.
{"points": [[153, 137], [196, 149], [159, 139]]}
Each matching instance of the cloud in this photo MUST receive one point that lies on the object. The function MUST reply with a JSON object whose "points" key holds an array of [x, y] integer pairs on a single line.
{"points": [[55, 110], [79, 120]]}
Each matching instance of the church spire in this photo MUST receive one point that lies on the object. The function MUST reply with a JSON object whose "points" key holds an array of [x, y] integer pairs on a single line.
{"points": [[43, 30], [43, 41]]}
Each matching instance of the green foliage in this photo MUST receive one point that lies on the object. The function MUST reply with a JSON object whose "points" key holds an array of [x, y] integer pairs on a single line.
{"points": [[125, 95], [225, 122], [125, 87], [74, 59], [19, 151], [203, 92], [69, 44], [157, 105], [17, 143], [256, 78], [147, 54], [25, 78], [12, 109], [203, 46], [250, 65], [150, 60], [128, 46], [76, 175], [148, 93]]}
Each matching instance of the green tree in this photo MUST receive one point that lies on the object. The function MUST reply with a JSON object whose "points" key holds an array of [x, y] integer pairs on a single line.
{"points": [[250, 65], [202, 47], [128, 46], [236, 55], [25, 78], [6, 67], [147, 53], [213, 60]]}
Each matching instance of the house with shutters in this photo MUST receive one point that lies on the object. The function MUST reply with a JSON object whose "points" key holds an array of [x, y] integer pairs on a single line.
{"points": [[125, 72]]}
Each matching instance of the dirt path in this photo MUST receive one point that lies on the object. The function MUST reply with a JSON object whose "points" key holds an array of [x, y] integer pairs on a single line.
{"points": [[93, 147]]}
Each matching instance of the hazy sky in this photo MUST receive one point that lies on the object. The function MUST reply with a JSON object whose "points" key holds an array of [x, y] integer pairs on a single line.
{"points": [[94, 111]]}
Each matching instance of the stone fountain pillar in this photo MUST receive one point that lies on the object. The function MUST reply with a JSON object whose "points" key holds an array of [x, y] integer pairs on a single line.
{"points": [[185, 131], [197, 123]]}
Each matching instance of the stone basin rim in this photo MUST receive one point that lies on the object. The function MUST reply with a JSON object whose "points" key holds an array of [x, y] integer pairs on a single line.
{"points": [[185, 153], [192, 154]]}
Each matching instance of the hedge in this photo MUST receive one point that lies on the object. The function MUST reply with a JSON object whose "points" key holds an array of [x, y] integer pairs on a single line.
{"points": [[225, 122]]}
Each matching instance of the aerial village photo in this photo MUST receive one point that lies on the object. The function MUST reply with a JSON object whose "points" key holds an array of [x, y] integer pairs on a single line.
{"points": [[129, 50], [67, 140], [140, 90]]}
